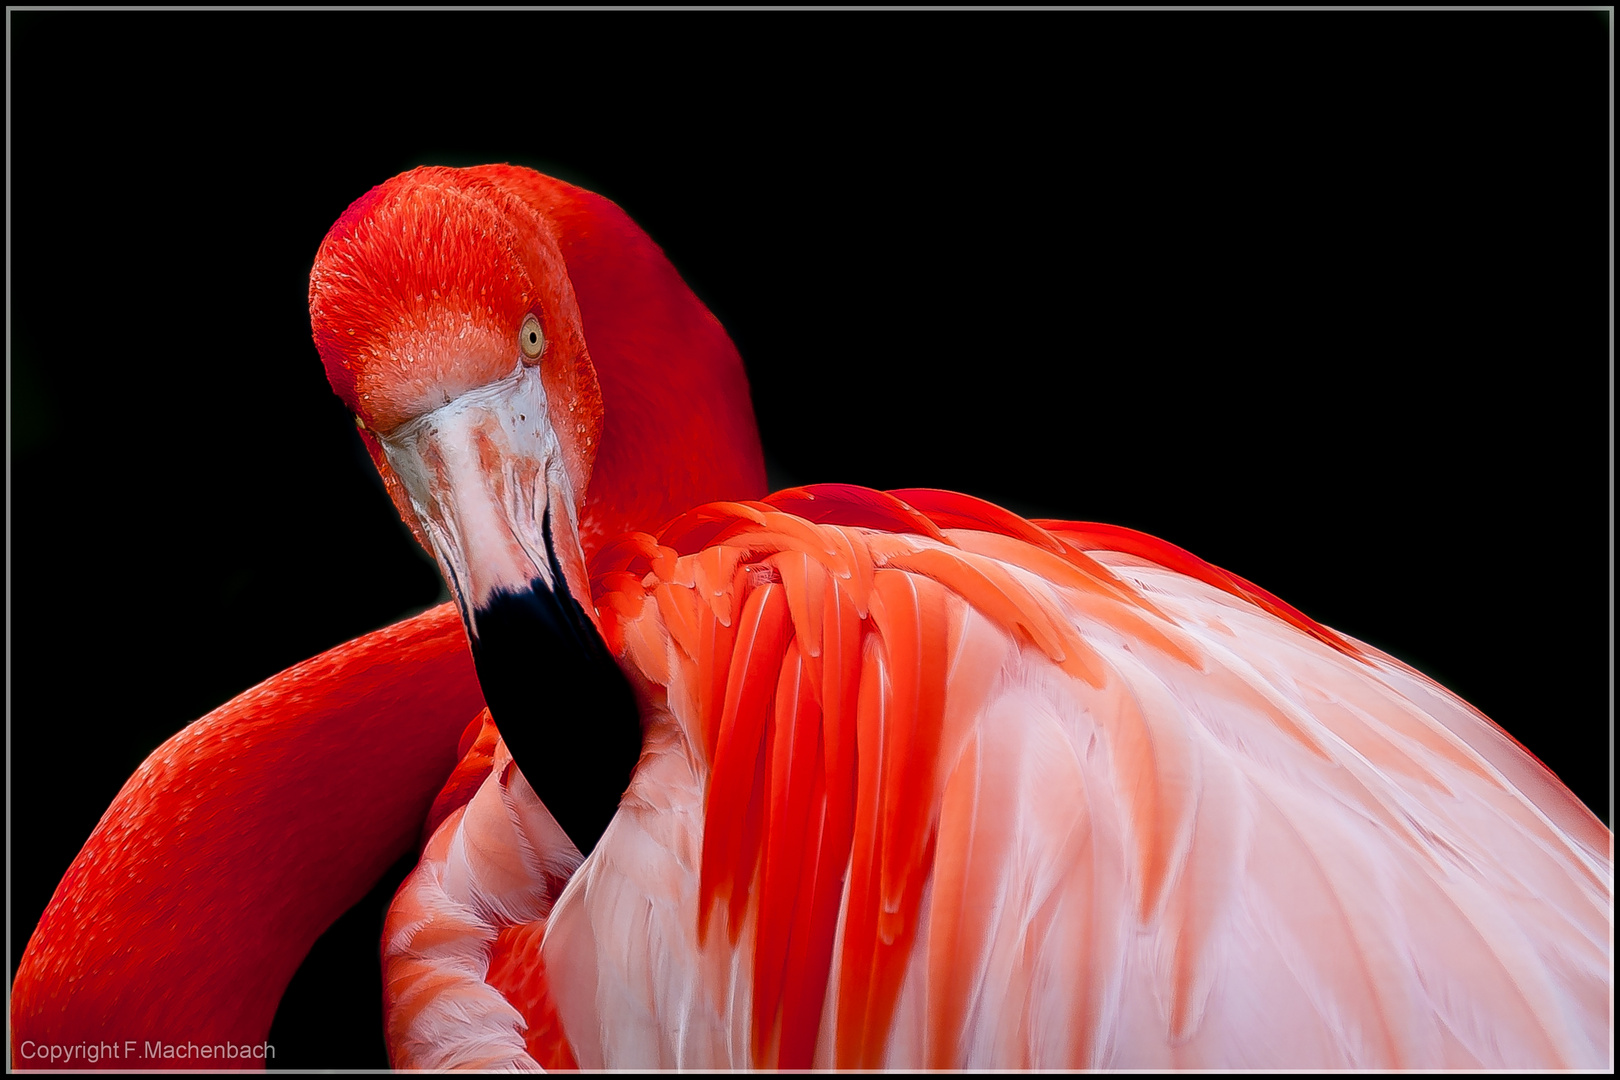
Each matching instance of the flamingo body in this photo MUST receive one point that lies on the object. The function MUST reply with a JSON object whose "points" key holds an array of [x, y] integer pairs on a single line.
{"points": [[1006, 796]]}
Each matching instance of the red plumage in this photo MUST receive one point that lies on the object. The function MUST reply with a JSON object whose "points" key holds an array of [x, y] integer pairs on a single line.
{"points": [[921, 782]]}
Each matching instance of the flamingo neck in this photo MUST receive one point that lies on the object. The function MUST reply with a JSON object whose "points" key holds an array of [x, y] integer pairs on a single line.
{"points": [[678, 425]]}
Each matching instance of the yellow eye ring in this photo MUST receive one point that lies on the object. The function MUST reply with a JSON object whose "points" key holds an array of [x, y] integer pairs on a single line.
{"points": [[531, 338]]}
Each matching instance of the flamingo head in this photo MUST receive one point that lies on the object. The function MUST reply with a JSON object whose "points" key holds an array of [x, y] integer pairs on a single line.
{"points": [[444, 313], [444, 307]]}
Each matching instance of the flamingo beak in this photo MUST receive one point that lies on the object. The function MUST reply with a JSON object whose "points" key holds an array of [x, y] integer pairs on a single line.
{"points": [[485, 476]]}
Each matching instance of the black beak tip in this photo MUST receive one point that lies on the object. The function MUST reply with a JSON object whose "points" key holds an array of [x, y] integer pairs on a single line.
{"points": [[565, 709]]}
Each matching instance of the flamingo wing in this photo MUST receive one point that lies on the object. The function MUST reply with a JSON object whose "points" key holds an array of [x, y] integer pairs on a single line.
{"points": [[271, 816], [964, 791]]}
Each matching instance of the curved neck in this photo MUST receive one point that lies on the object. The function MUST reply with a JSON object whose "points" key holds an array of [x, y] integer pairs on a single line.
{"points": [[678, 425], [239, 841]]}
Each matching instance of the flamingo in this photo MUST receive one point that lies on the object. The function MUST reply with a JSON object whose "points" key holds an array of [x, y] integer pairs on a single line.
{"points": [[821, 777]]}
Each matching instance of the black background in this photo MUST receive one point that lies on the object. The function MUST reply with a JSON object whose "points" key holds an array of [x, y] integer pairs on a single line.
{"points": [[1321, 297]]}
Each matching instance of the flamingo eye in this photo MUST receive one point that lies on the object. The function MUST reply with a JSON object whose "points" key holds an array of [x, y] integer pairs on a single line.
{"points": [[532, 338]]}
